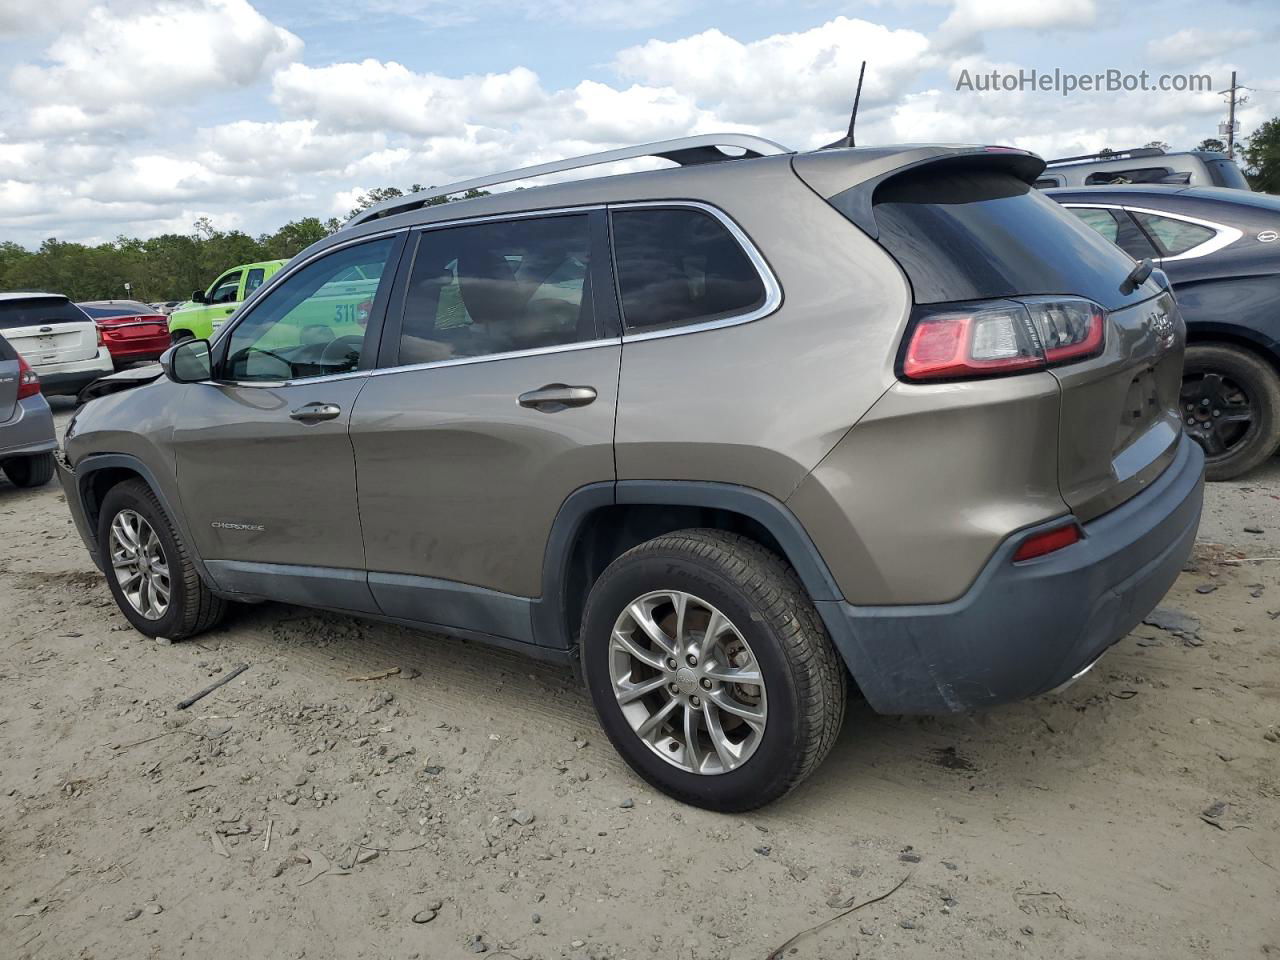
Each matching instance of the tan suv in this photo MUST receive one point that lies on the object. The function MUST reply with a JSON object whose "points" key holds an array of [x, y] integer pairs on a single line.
{"points": [[731, 435]]}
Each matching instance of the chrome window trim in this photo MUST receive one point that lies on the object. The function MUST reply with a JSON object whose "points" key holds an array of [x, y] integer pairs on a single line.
{"points": [[486, 358], [1223, 236], [772, 289]]}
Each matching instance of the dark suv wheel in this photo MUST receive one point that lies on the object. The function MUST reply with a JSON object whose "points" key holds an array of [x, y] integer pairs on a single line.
{"points": [[149, 570], [710, 670], [1231, 407]]}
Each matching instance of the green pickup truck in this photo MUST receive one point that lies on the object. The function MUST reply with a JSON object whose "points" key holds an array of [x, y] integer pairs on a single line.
{"points": [[207, 310]]}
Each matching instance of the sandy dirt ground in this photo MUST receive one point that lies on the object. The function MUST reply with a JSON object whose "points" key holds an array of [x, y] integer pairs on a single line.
{"points": [[469, 804]]}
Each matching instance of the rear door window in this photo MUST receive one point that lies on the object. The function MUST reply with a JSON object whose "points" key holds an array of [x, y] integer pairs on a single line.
{"points": [[1118, 227], [1174, 236], [499, 287], [973, 235], [254, 280], [38, 311], [678, 266]]}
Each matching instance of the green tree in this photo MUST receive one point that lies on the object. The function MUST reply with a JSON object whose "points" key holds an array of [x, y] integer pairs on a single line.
{"points": [[1262, 157]]}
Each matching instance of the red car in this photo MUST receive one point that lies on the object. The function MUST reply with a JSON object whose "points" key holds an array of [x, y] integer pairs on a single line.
{"points": [[131, 330]]}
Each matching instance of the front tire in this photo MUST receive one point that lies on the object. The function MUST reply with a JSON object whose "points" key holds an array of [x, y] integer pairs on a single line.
{"points": [[149, 568], [34, 471], [710, 670], [1231, 407]]}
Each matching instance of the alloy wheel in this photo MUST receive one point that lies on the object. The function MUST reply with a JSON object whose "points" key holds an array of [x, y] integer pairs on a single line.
{"points": [[1216, 412], [688, 682], [139, 564]]}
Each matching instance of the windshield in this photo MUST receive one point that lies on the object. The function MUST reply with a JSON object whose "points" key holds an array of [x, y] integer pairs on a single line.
{"points": [[38, 310]]}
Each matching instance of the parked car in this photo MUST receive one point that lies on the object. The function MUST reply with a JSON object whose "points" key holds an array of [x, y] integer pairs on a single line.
{"points": [[207, 310], [1220, 250], [888, 413], [167, 307], [27, 438], [1145, 165], [58, 340], [132, 331]]}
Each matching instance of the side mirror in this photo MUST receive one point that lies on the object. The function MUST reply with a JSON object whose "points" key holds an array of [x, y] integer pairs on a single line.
{"points": [[197, 296], [187, 362]]}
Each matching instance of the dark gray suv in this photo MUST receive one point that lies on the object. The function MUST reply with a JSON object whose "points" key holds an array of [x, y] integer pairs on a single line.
{"points": [[731, 434]]}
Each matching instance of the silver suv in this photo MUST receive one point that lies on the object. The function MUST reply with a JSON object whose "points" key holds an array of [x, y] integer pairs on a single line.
{"points": [[736, 437]]}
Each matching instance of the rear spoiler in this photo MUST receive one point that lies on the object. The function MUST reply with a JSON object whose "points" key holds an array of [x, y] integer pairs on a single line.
{"points": [[854, 175]]}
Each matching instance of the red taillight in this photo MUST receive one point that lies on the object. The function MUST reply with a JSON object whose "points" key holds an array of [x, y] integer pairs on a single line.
{"points": [[28, 382], [996, 337], [1049, 541], [102, 342]]}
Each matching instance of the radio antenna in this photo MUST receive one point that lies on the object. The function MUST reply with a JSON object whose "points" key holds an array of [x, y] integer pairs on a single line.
{"points": [[847, 139]]}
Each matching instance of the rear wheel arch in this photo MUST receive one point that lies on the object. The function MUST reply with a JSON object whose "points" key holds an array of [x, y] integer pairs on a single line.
{"points": [[599, 523], [1234, 340]]}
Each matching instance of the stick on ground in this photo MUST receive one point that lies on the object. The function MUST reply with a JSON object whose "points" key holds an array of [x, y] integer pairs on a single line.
{"points": [[225, 678], [777, 953]]}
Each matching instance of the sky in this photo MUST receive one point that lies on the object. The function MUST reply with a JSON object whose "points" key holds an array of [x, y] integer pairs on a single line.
{"points": [[136, 117]]}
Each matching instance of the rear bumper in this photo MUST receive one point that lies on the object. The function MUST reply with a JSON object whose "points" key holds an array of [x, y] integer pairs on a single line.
{"points": [[68, 378], [149, 349], [1024, 629], [29, 431]]}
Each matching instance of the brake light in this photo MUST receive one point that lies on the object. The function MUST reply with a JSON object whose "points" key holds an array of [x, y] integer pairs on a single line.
{"points": [[28, 382], [996, 337], [1048, 542]]}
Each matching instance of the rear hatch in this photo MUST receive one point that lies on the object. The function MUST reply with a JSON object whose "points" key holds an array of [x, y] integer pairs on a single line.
{"points": [[48, 330], [972, 235]]}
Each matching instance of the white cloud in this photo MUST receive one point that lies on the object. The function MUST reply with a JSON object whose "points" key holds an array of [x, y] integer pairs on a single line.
{"points": [[784, 75], [373, 95], [1193, 46], [168, 52], [34, 16], [969, 17]]}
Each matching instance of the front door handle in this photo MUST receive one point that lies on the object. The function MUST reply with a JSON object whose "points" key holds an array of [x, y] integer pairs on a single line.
{"points": [[555, 397], [231, 309], [315, 412]]}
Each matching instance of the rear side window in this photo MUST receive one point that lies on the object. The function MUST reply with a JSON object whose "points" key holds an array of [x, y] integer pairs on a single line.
{"points": [[7, 352], [1136, 175], [1174, 236], [973, 235], [1116, 226], [499, 287], [39, 310], [680, 266], [1224, 173]]}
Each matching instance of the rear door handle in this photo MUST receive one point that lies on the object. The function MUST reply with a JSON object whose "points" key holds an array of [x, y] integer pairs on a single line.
{"points": [[315, 412], [555, 397]]}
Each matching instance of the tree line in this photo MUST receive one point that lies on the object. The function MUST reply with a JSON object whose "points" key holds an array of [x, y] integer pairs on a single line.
{"points": [[172, 265], [169, 266]]}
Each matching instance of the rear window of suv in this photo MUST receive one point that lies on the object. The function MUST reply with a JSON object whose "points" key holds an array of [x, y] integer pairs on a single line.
{"points": [[38, 310], [974, 235], [679, 266]]}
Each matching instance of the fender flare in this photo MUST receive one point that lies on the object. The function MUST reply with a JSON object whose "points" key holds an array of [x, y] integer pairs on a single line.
{"points": [[94, 462], [550, 620]]}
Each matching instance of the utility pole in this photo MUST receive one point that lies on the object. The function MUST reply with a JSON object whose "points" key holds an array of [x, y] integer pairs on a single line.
{"points": [[1230, 125]]}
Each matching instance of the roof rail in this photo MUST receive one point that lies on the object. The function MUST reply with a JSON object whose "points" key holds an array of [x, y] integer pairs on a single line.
{"points": [[1113, 155], [685, 151]]}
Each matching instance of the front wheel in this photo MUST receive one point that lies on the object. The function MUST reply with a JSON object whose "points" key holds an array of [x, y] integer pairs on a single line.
{"points": [[710, 670], [148, 567], [1230, 405]]}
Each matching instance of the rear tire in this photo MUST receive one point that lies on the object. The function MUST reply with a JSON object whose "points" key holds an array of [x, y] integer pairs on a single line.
{"points": [[1230, 379], [180, 336], [188, 605], [33, 471], [753, 743]]}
